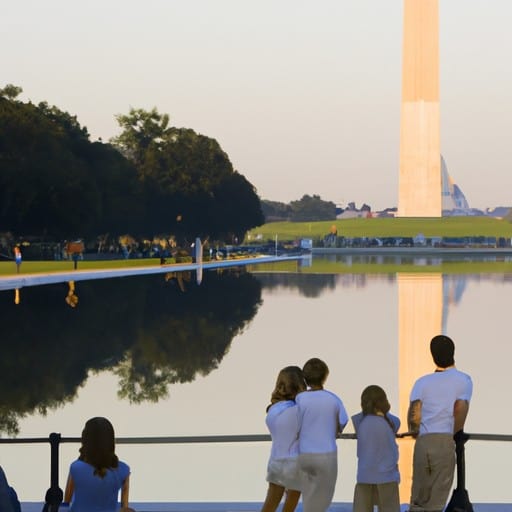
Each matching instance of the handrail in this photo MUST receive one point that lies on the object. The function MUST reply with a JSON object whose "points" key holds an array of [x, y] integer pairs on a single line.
{"points": [[54, 494], [244, 438], [490, 437]]}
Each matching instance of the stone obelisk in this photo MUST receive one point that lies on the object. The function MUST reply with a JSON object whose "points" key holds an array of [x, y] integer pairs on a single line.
{"points": [[420, 153]]}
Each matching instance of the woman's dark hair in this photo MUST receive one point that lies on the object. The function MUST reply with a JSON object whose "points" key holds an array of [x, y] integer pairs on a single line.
{"points": [[98, 445], [375, 401], [315, 372], [290, 381]]}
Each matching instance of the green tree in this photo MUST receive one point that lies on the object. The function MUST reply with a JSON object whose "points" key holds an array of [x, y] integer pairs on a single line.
{"points": [[237, 205], [190, 186], [11, 92], [142, 134], [275, 211], [43, 185], [54, 182], [312, 208]]}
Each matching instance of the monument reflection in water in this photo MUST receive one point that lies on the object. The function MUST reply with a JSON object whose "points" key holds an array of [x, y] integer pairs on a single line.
{"points": [[159, 361], [421, 308]]}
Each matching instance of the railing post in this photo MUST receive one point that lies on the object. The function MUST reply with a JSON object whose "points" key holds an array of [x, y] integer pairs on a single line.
{"points": [[54, 494], [459, 501]]}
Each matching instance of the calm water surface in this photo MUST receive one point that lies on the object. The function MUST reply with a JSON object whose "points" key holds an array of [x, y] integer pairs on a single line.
{"points": [[158, 361]]}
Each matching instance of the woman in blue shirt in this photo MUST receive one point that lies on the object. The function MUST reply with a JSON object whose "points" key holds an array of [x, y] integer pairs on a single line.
{"points": [[97, 476]]}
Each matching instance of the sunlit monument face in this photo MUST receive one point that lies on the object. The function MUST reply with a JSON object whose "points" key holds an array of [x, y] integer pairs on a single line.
{"points": [[420, 167]]}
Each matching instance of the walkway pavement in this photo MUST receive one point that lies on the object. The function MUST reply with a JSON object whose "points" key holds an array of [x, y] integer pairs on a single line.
{"points": [[252, 507], [18, 281]]}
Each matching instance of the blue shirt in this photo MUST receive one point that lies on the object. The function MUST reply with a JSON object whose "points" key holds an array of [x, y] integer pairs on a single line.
{"points": [[377, 449], [93, 493]]}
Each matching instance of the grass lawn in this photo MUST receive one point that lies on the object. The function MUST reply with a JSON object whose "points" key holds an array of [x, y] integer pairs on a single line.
{"points": [[392, 227], [320, 266], [34, 267]]}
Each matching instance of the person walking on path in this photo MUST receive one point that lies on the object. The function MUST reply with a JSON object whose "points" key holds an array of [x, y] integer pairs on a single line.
{"points": [[17, 258], [377, 454], [283, 424], [322, 417], [439, 404]]}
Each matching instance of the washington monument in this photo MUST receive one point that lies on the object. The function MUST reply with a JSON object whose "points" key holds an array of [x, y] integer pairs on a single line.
{"points": [[419, 192]]}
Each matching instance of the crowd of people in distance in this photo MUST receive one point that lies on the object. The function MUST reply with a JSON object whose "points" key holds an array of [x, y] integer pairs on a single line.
{"points": [[304, 420]]}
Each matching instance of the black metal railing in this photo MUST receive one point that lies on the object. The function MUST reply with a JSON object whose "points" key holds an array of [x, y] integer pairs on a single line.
{"points": [[459, 501]]}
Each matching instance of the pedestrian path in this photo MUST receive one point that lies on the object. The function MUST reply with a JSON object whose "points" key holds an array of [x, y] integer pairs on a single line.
{"points": [[18, 281], [249, 507]]}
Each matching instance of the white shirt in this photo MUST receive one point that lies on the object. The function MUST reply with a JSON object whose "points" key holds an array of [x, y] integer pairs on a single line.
{"points": [[438, 393], [283, 424], [322, 415]]}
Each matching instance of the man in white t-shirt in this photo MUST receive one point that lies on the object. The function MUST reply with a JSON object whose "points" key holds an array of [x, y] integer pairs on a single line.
{"points": [[322, 416], [439, 404]]}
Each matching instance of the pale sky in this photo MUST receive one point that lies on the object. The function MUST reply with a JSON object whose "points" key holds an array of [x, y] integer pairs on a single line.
{"points": [[304, 96]]}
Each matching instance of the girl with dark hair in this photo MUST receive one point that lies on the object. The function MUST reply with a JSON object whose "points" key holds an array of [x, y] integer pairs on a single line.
{"points": [[283, 423], [377, 454], [97, 476]]}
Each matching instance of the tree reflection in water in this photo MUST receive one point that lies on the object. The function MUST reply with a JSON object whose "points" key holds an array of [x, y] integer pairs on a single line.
{"points": [[145, 329], [308, 285]]}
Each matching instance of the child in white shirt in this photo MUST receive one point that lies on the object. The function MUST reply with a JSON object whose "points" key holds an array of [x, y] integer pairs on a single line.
{"points": [[322, 417]]}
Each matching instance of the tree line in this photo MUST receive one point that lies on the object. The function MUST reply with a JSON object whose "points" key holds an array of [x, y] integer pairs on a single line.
{"points": [[307, 209], [153, 178]]}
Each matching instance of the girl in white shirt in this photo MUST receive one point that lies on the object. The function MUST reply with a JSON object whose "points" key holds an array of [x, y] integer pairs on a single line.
{"points": [[283, 423]]}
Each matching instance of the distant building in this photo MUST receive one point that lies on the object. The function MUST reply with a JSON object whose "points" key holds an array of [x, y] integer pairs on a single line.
{"points": [[352, 212], [499, 212], [452, 196]]}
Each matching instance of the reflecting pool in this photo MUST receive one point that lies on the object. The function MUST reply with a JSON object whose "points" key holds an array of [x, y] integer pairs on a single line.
{"points": [[163, 358]]}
